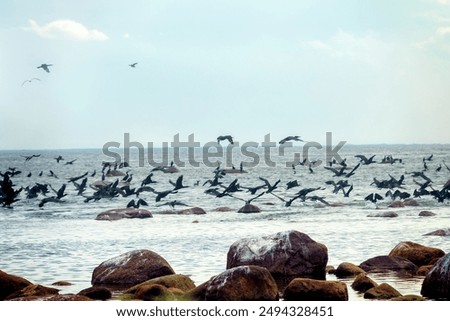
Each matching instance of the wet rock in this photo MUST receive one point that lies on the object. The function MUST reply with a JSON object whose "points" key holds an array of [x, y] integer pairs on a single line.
{"points": [[67, 297], [301, 289], [330, 269], [290, 253], [440, 232], [397, 204], [61, 283], [174, 281], [417, 253], [114, 173], [33, 290], [410, 202], [167, 212], [10, 283], [97, 293], [131, 268], [154, 292], [193, 210], [424, 269], [223, 209], [408, 297], [362, 283], [388, 214], [382, 292], [426, 213], [249, 208], [120, 213], [242, 283], [346, 269], [385, 263], [436, 284]]}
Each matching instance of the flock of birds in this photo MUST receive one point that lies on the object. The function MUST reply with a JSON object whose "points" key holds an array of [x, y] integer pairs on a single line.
{"points": [[124, 184]]}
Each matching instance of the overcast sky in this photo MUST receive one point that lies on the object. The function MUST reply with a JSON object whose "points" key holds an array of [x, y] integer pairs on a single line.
{"points": [[368, 71]]}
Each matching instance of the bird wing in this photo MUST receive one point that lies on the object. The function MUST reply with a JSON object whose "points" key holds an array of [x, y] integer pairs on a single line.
{"points": [[362, 157]]}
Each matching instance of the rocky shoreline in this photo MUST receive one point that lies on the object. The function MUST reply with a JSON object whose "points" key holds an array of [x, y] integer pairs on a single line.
{"points": [[286, 266]]}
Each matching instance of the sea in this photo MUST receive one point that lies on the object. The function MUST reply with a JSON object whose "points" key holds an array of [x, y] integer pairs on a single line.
{"points": [[64, 242]]}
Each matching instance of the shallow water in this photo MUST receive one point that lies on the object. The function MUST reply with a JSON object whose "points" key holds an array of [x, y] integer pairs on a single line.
{"points": [[63, 241]]}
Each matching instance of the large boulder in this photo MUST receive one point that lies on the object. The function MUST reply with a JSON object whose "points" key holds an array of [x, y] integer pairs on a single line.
{"points": [[120, 213], [131, 268], [382, 292], [417, 253], [242, 283], [301, 289], [11, 283], [385, 263], [290, 253], [33, 291], [437, 282], [362, 283]]}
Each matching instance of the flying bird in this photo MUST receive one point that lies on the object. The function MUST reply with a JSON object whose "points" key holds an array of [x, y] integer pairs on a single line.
{"points": [[226, 137], [45, 67], [30, 80], [286, 139], [133, 65]]}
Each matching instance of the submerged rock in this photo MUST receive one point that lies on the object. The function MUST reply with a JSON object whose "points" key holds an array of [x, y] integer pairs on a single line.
{"points": [[426, 213], [192, 210], [385, 263], [120, 213], [436, 284], [416, 253], [382, 292], [290, 253], [384, 214], [410, 202], [440, 232], [33, 290], [346, 269], [242, 283], [131, 268], [362, 283], [301, 289]]}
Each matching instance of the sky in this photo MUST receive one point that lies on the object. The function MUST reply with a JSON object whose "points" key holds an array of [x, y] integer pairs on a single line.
{"points": [[369, 72]]}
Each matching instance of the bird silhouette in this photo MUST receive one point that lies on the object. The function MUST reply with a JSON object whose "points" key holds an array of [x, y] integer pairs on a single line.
{"points": [[225, 137], [45, 67], [30, 80], [289, 138], [133, 65]]}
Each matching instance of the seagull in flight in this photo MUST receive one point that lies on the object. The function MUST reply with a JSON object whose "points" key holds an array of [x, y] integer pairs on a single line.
{"points": [[226, 137], [30, 80], [45, 67], [133, 65], [286, 139]]}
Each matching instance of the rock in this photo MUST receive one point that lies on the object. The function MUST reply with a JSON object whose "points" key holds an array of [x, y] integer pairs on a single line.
{"points": [[290, 253], [410, 202], [154, 292], [96, 293], [424, 269], [300, 289], [10, 283], [362, 283], [397, 204], [223, 209], [382, 292], [33, 290], [173, 281], [441, 232], [249, 208], [167, 212], [115, 172], [408, 297], [346, 269], [436, 284], [120, 213], [192, 210], [330, 269], [384, 214], [99, 184], [242, 283], [426, 213], [62, 283], [385, 263], [416, 253], [131, 268], [67, 297]]}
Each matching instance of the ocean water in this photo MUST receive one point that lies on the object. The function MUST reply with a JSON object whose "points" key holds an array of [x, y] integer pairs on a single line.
{"points": [[63, 241]]}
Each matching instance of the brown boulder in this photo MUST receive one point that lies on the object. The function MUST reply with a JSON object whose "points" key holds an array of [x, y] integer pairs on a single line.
{"points": [[96, 293], [362, 283], [192, 210], [154, 292], [33, 290], [416, 253], [115, 173], [223, 209], [440, 232], [397, 204], [10, 283], [382, 292], [242, 283], [436, 284], [173, 281], [249, 208], [408, 297], [346, 269], [120, 213], [410, 202], [131, 268], [61, 283], [388, 214], [290, 253], [385, 263], [426, 213], [67, 297], [300, 289], [424, 269]]}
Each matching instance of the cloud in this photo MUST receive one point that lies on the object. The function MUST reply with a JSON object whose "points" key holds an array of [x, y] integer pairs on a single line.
{"points": [[439, 38], [368, 47], [66, 29]]}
